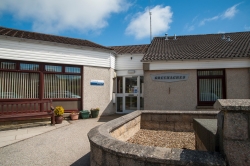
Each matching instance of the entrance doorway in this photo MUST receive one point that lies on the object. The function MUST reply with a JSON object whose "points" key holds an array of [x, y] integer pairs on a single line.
{"points": [[129, 94]]}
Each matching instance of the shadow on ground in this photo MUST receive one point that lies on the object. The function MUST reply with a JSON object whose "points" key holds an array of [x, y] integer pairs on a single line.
{"points": [[84, 160], [109, 117]]}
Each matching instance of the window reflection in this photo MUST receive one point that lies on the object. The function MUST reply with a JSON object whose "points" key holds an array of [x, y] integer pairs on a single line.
{"points": [[131, 83]]}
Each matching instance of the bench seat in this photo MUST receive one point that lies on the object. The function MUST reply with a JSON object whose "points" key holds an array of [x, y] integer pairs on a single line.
{"points": [[13, 111]]}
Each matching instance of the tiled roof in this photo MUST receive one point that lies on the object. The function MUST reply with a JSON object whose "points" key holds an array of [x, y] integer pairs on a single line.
{"points": [[210, 46], [50, 38], [132, 49]]}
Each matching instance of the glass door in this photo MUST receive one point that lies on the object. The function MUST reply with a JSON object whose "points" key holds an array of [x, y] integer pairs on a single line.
{"points": [[131, 94], [129, 97]]}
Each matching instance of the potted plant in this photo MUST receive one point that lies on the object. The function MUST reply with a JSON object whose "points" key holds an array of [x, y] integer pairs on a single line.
{"points": [[94, 112], [58, 111], [74, 115], [84, 114]]}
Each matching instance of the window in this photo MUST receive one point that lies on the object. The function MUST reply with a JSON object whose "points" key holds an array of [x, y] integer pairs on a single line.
{"points": [[72, 69], [17, 85], [53, 68], [62, 86], [28, 80], [211, 86], [25, 66], [8, 65]]}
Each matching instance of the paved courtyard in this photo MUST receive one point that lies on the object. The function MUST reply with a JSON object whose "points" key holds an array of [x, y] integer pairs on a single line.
{"points": [[65, 144]]}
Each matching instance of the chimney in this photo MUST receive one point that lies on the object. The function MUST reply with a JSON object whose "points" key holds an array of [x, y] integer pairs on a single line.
{"points": [[174, 36], [166, 36], [228, 38], [223, 37]]}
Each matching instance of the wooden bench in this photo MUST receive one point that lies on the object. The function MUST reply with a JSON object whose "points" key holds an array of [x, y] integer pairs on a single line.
{"points": [[24, 110]]}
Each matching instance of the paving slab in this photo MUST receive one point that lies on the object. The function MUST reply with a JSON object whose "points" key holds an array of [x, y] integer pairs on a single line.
{"points": [[8, 137]]}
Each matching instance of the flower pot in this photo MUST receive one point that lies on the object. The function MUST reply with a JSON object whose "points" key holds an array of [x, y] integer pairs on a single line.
{"points": [[94, 113], [74, 116], [58, 119], [84, 114]]}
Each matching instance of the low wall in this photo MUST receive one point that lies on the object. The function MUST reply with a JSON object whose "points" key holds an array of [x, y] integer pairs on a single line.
{"points": [[127, 130], [108, 146], [206, 137], [173, 120]]}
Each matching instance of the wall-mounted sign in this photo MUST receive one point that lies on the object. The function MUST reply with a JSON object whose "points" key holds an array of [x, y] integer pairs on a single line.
{"points": [[97, 82], [169, 77]]}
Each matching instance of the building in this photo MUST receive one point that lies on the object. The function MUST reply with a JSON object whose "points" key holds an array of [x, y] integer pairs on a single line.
{"points": [[76, 74], [184, 72], [170, 73]]}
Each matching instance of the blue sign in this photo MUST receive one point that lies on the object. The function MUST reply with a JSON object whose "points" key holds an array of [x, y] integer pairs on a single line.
{"points": [[97, 82]]}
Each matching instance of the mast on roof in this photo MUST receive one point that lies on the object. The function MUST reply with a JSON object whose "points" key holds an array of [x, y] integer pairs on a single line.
{"points": [[150, 13]]}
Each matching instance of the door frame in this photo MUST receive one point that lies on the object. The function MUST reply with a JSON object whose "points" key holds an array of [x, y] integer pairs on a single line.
{"points": [[124, 94]]}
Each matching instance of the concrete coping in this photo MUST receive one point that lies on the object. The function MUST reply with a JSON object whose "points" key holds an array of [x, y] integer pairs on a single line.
{"points": [[232, 105], [208, 124], [179, 112], [101, 138]]}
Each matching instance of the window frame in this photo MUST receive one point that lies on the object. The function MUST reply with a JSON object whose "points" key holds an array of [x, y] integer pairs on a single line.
{"points": [[222, 77], [42, 72]]}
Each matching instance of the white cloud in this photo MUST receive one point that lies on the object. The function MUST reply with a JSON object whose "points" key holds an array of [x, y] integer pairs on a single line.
{"points": [[140, 24], [53, 16], [189, 27], [230, 12], [208, 20]]}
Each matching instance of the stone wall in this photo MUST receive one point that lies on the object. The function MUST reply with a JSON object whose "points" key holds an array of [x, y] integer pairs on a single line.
{"points": [[173, 120], [107, 149], [234, 130], [127, 130]]}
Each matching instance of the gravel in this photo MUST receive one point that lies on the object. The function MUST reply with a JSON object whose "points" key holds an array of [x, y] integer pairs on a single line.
{"points": [[167, 139]]}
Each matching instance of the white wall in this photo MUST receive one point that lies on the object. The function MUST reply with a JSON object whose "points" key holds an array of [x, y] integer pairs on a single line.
{"points": [[36, 51], [200, 64], [124, 62]]}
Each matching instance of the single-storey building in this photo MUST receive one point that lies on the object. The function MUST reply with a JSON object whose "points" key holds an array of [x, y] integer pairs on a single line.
{"points": [[170, 73], [76, 74]]}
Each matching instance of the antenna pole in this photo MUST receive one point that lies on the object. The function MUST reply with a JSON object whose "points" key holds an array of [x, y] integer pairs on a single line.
{"points": [[150, 13], [150, 27]]}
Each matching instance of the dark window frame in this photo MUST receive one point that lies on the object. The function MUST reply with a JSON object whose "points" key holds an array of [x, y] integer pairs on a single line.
{"points": [[210, 103], [41, 77]]}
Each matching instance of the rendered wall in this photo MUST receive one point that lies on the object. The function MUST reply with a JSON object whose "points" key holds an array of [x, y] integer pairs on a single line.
{"points": [[180, 95], [238, 83], [98, 96]]}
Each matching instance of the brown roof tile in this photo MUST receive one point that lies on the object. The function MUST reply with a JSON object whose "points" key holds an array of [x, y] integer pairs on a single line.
{"points": [[50, 38], [210, 46], [132, 49]]}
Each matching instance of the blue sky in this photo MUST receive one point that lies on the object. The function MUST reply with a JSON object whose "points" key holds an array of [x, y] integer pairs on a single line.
{"points": [[125, 22]]}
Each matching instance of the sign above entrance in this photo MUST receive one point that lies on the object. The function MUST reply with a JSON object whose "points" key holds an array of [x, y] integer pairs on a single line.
{"points": [[169, 77]]}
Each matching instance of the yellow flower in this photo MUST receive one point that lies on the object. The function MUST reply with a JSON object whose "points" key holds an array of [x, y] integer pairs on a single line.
{"points": [[59, 111]]}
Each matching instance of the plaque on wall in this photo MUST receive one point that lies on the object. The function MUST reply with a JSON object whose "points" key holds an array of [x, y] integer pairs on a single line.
{"points": [[97, 82], [169, 77]]}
